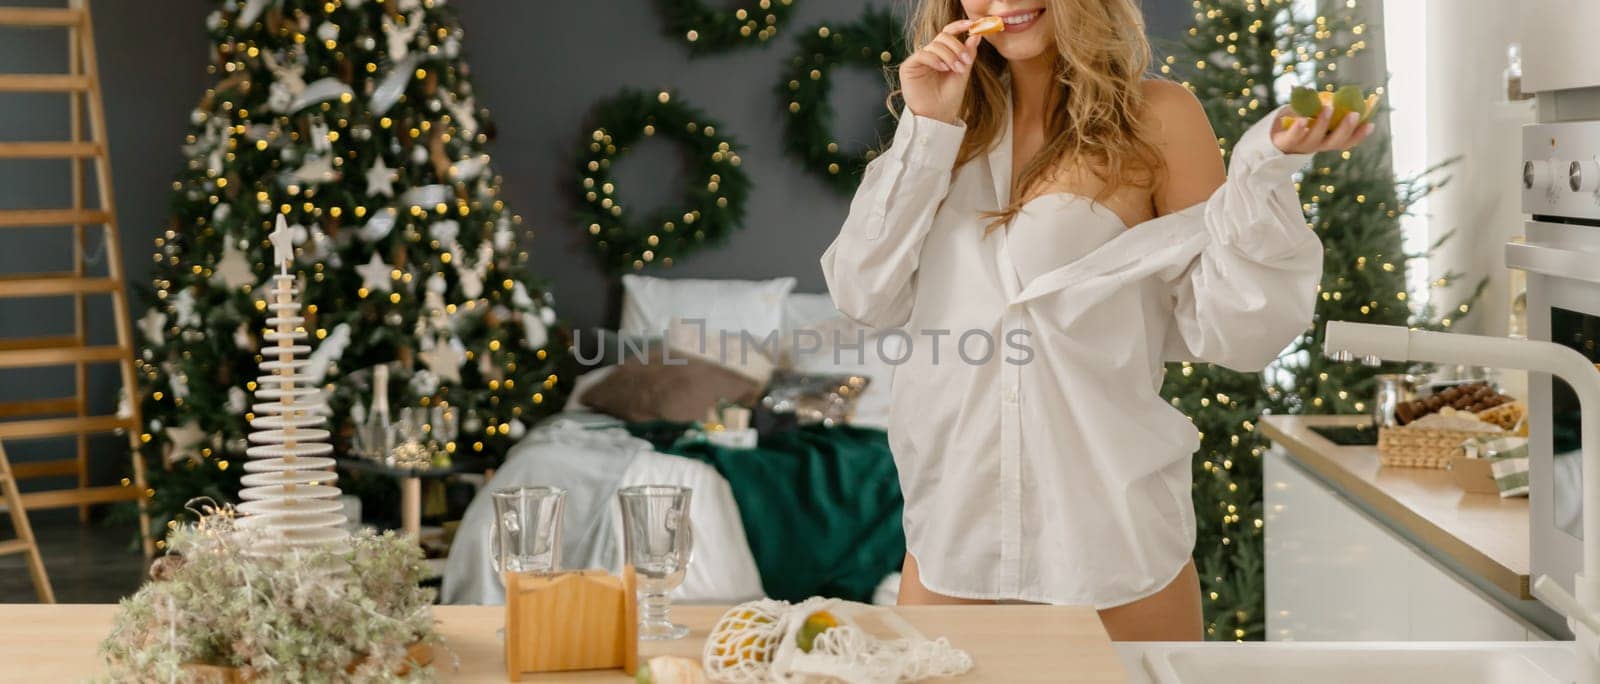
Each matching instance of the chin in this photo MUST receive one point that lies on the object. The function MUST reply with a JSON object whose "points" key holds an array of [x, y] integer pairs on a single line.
{"points": [[1022, 48]]}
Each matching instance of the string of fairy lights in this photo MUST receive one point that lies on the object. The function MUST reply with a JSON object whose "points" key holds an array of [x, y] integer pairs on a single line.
{"points": [[873, 41], [713, 205], [705, 29]]}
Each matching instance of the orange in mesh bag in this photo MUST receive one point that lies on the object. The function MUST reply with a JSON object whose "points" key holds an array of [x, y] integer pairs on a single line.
{"points": [[763, 640]]}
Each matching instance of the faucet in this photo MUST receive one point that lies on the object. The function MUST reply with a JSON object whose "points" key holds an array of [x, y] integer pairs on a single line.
{"points": [[1346, 341]]}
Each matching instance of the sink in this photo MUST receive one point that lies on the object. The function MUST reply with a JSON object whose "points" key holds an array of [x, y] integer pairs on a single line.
{"points": [[1367, 663]]}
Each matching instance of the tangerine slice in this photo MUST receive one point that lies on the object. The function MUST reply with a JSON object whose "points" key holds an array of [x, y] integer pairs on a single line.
{"points": [[987, 25]]}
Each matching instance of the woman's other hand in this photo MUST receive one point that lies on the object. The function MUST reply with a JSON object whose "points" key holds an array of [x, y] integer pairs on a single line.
{"points": [[1306, 136], [933, 80]]}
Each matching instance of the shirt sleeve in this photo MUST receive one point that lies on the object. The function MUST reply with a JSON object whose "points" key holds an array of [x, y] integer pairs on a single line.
{"points": [[1252, 288], [870, 266]]}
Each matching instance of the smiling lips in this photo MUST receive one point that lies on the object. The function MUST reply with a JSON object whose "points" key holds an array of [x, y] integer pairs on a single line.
{"points": [[1011, 22]]}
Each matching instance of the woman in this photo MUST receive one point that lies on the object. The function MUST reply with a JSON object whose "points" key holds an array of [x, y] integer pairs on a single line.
{"points": [[1047, 229]]}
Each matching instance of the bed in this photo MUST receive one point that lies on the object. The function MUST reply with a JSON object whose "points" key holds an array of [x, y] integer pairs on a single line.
{"points": [[809, 511]]}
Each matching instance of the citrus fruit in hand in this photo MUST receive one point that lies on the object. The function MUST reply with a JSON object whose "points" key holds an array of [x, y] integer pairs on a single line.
{"points": [[1308, 103]]}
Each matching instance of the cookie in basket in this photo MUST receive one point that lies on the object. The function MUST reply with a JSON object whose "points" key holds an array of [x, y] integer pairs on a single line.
{"points": [[1505, 415], [1476, 396]]}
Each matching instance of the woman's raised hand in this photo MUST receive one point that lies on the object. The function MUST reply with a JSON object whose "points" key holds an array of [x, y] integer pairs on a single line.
{"points": [[933, 80], [1307, 136]]}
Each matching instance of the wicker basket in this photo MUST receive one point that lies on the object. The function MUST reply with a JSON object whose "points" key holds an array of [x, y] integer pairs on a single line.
{"points": [[1417, 447]]}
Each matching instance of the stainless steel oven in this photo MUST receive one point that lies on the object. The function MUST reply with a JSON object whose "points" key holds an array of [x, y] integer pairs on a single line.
{"points": [[1561, 256]]}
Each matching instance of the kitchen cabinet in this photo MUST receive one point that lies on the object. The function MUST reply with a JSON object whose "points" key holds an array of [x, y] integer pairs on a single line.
{"points": [[1339, 568]]}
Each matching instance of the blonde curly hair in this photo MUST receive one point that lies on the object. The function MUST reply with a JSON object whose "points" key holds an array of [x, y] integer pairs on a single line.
{"points": [[1093, 121]]}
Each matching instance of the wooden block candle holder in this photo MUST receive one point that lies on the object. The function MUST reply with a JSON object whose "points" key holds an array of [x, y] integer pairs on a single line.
{"points": [[584, 620]]}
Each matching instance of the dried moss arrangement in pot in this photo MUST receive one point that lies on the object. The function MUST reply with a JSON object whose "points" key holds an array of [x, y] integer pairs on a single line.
{"points": [[214, 613]]}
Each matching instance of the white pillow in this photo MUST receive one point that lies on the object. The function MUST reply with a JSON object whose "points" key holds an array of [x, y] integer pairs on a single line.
{"points": [[807, 309], [816, 312], [650, 305], [802, 311]]}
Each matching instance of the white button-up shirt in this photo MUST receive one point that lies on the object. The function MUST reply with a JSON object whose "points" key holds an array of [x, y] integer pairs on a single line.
{"points": [[1049, 469]]}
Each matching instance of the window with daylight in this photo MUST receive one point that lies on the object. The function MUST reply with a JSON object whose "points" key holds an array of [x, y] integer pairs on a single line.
{"points": [[1407, 95]]}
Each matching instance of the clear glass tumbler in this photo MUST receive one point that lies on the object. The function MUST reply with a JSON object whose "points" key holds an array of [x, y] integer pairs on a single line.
{"points": [[657, 541], [527, 529]]}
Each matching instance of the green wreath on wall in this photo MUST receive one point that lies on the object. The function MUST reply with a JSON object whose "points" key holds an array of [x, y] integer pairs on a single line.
{"points": [[872, 41], [712, 208], [707, 29]]}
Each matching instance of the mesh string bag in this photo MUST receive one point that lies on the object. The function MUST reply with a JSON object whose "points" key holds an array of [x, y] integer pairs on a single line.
{"points": [[758, 642], [744, 641]]}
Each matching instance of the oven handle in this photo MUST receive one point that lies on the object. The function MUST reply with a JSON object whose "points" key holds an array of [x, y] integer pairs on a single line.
{"points": [[1562, 263]]}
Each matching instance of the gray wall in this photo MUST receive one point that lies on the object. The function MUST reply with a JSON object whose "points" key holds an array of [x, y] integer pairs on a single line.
{"points": [[538, 67]]}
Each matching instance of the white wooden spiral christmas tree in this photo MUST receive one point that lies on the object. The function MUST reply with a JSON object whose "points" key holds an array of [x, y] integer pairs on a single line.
{"points": [[288, 489]]}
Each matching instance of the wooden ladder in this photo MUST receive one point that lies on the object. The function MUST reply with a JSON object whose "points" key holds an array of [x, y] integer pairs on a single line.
{"points": [[24, 543], [69, 417]]}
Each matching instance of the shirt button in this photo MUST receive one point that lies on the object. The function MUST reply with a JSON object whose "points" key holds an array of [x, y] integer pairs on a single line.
{"points": [[1010, 396]]}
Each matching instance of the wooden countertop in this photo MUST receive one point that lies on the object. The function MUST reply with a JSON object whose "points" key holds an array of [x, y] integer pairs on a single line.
{"points": [[1484, 533], [1010, 643]]}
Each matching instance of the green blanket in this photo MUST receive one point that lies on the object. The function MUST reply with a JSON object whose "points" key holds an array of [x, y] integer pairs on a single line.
{"points": [[820, 506]]}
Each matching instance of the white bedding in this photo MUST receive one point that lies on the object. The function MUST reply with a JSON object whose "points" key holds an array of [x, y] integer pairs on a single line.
{"points": [[722, 569]]}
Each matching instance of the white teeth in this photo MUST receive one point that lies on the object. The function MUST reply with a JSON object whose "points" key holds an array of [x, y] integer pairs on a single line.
{"points": [[1020, 18]]}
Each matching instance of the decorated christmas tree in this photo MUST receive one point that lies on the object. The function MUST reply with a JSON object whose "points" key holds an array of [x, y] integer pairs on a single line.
{"points": [[1240, 59], [355, 122]]}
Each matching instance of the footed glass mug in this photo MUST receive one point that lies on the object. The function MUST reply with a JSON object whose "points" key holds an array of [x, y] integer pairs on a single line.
{"points": [[657, 541], [526, 536]]}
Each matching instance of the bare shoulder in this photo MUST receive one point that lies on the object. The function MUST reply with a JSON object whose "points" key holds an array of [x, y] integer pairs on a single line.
{"points": [[1166, 91], [1179, 128], [1174, 114]]}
